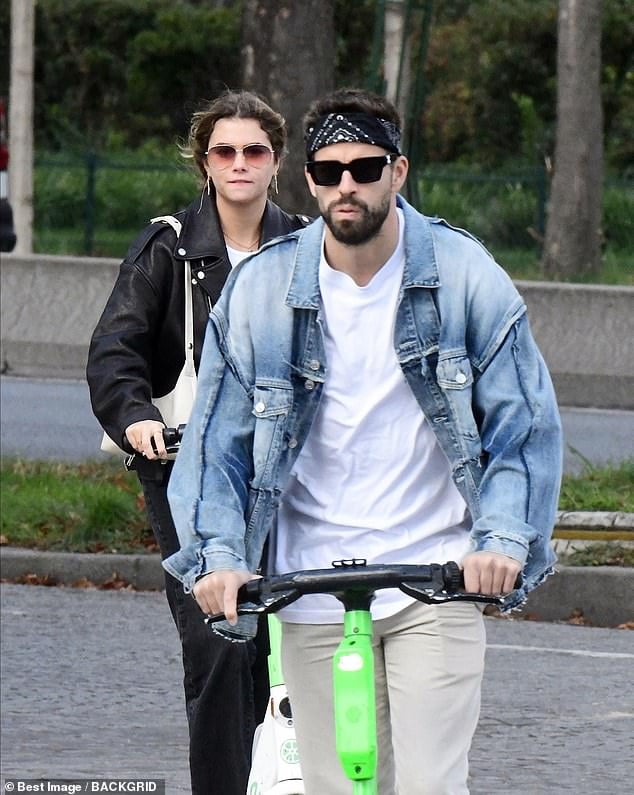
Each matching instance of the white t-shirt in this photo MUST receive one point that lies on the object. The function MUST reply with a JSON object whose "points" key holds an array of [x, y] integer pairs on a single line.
{"points": [[236, 256], [371, 481]]}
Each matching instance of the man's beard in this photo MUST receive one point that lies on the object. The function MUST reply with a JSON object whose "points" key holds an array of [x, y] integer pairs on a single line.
{"points": [[360, 230]]}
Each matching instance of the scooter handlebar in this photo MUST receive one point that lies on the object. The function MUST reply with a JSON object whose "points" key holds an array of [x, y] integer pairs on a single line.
{"points": [[431, 583]]}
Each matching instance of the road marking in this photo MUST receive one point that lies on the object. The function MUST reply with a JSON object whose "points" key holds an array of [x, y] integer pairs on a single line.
{"points": [[574, 652]]}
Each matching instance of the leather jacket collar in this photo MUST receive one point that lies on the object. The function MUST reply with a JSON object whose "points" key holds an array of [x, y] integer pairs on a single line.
{"points": [[201, 236]]}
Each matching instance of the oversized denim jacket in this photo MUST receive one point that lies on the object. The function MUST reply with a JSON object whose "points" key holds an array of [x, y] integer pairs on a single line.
{"points": [[463, 342]]}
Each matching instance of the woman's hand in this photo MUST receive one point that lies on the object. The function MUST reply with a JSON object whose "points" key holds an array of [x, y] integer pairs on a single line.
{"points": [[140, 435], [217, 592]]}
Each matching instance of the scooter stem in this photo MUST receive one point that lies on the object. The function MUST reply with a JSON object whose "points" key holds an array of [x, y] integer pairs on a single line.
{"points": [[354, 702]]}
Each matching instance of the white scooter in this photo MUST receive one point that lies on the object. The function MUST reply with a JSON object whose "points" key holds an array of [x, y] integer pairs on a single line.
{"points": [[275, 769]]}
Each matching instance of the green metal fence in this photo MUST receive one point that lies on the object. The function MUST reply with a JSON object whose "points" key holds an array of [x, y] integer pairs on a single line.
{"points": [[96, 206]]}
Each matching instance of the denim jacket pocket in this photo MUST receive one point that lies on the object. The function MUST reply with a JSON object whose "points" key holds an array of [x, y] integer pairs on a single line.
{"points": [[271, 406], [455, 378], [454, 373]]}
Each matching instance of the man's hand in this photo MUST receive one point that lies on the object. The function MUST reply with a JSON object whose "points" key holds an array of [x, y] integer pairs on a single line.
{"points": [[490, 573], [217, 592], [140, 435]]}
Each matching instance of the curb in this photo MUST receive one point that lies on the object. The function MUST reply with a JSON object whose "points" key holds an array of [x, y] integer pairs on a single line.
{"points": [[594, 525], [602, 595], [143, 572]]}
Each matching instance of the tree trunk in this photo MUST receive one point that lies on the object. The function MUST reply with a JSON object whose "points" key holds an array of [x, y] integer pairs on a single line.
{"points": [[288, 52], [573, 232], [397, 64], [21, 122]]}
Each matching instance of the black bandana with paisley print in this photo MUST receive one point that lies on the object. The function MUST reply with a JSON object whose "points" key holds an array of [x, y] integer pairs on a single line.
{"points": [[337, 128]]}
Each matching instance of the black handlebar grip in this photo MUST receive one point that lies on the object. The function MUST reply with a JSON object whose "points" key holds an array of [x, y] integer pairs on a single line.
{"points": [[452, 577], [172, 436], [250, 591]]}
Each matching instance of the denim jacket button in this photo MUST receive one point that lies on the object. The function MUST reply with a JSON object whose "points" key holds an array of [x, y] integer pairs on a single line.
{"points": [[259, 407], [292, 443], [314, 364], [308, 384], [461, 378]]}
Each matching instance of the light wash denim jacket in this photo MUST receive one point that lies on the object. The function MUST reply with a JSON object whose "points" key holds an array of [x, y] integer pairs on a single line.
{"points": [[464, 345]]}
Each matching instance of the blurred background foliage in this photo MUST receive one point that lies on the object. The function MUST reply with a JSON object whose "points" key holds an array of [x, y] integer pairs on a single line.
{"points": [[116, 82], [114, 74]]}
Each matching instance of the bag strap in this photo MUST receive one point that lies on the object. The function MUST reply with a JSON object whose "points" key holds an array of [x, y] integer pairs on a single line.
{"points": [[189, 308]]}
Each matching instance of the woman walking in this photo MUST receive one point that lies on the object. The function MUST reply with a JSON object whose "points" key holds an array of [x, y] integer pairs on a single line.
{"points": [[137, 353]]}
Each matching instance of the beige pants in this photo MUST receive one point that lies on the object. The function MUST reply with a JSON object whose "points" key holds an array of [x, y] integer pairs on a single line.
{"points": [[428, 662]]}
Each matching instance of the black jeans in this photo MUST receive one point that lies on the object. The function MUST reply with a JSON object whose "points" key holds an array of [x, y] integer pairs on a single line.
{"points": [[226, 684]]}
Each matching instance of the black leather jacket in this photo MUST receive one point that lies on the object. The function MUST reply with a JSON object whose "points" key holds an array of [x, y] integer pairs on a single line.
{"points": [[137, 349]]}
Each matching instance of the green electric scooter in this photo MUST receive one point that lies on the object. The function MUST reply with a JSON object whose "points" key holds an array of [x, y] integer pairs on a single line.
{"points": [[353, 582]]}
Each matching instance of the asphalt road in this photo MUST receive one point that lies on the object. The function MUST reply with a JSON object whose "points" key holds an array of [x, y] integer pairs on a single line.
{"points": [[91, 689], [52, 419]]}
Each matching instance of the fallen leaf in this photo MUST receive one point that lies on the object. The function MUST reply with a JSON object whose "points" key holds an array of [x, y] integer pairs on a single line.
{"points": [[83, 582], [36, 579], [577, 618], [115, 583]]}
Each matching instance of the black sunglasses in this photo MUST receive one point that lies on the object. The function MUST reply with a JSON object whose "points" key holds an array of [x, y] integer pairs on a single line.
{"points": [[363, 169]]}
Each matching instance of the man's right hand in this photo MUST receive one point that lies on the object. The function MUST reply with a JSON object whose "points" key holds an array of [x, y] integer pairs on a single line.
{"points": [[217, 592]]}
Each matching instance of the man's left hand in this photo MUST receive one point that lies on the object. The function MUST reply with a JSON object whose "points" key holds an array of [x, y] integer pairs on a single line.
{"points": [[490, 573]]}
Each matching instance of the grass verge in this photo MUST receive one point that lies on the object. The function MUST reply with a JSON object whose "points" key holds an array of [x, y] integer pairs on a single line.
{"points": [[98, 507], [600, 554], [599, 489], [524, 264], [92, 507]]}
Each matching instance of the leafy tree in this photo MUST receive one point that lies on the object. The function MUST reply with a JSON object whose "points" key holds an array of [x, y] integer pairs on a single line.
{"points": [[353, 38], [188, 55], [491, 70], [81, 86], [136, 67], [618, 83], [128, 70]]}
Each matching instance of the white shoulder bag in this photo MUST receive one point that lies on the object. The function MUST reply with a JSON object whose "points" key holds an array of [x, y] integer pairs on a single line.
{"points": [[176, 406]]}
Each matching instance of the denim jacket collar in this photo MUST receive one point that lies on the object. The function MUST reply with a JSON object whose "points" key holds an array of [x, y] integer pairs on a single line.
{"points": [[421, 269]]}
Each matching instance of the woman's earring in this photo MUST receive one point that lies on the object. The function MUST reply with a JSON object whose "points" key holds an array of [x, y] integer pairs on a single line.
{"points": [[275, 188], [208, 185]]}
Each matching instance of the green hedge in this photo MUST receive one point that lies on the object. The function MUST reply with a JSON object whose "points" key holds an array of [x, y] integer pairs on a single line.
{"points": [[126, 193], [505, 211]]}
